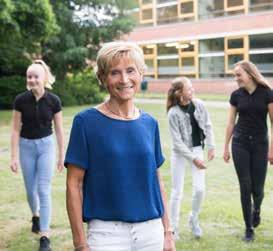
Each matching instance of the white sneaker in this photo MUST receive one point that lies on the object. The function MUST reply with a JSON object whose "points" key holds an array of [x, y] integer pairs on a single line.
{"points": [[195, 227]]}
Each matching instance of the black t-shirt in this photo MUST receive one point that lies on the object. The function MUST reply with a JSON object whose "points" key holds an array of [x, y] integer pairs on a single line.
{"points": [[252, 110], [196, 133], [37, 116]]}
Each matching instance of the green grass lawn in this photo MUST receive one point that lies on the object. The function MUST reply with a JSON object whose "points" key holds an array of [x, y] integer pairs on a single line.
{"points": [[221, 217]]}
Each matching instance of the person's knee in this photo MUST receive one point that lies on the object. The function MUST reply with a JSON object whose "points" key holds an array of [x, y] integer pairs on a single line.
{"points": [[176, 194], [199, 192]]}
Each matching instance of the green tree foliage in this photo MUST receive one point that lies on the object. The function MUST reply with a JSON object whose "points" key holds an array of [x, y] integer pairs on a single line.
{"points": [[66, 33], [24, 26]]}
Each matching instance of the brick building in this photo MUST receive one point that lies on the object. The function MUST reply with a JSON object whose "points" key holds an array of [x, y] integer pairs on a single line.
{"points": [[202, 39]]}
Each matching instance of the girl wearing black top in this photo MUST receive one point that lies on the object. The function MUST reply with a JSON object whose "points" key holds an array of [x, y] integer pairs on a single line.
{"points": [[250, 151], [32, 137]]}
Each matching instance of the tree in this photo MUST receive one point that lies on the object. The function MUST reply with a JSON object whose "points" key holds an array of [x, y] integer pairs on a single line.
{"points": [[85, 25], [24, 25]]}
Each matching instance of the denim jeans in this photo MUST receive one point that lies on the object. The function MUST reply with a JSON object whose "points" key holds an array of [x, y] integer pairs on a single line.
{"points": [[122, 236], [178, 168], [37, 159], [250, 159]]}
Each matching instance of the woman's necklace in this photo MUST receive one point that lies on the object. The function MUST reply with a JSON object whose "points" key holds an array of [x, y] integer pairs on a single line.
{"points": [[119, 115]]}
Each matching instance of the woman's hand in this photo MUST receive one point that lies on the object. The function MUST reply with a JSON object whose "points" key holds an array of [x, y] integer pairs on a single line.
{"points": [[169, 244], [199, 163], [60, 164], [14, 165], [211, 154], [270, 156], [226, 156]]}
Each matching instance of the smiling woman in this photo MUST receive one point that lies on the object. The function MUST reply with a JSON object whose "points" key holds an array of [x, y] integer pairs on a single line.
{"points": [[113, 166], [33, 144]]}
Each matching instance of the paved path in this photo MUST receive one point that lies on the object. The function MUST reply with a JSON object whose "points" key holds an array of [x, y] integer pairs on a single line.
{"points": [[219, 104]]}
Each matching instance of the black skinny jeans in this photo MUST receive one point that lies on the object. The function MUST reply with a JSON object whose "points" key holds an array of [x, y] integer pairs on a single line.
{"points": [[250, 159]]}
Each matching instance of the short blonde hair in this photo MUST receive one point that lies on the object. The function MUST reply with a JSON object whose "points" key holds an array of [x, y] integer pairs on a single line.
{"points": [[116, 50], [49, 78]]}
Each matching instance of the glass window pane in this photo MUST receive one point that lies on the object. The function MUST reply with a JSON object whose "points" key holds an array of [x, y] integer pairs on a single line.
{"points": [[147, 1], [164, 1], [168, 67], [187, 46], [187, 8], [212, 67], [188, 64], [260, 5], [150, 65], [264, 63], [167, 14], [210, 9], [233, 59], [148, 50], [147, 14], [234, 3], [167, 49], [261, 41], [236, 43], [211, 45]]}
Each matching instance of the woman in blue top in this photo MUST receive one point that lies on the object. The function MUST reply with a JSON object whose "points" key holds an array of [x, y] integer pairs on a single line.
{"points": [[113, 156]]}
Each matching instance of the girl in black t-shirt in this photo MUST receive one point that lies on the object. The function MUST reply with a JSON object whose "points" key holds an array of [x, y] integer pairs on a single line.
{"points": [[250, 151], [34, 111]]}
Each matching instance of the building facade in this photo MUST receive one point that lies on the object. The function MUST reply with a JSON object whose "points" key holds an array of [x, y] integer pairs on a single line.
{"points": [[202, 39]]}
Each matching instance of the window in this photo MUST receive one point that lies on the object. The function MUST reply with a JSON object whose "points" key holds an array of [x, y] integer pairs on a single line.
{"points": [[212, 67], [211, 58], [146, 12], [233, 59], [234, 3], [167, 49], [261, 41], [188, 58], [150, 52], [168, 67], [264, 63], [211, 45], [260, 5], [187, 9], [167, 14], [261, 52], [233, 7], [210, 9], [236, 49]]}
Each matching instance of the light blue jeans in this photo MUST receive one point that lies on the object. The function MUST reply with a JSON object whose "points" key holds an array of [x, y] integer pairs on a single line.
{"points": [[37, 159]]}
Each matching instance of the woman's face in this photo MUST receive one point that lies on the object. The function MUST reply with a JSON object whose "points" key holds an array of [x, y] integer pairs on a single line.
{"points": [[35, 77], [241, 76], [123, 79], [187, 92]]}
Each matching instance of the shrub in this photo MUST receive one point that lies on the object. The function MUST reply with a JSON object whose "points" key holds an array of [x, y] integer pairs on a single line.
{"points": [[9, 87]]}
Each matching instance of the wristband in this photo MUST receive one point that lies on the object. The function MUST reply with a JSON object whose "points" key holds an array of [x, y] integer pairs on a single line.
{"points": [[81, 247]]}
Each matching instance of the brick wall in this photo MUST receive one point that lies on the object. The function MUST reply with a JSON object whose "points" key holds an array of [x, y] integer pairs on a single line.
{"points": [[216, 86]]}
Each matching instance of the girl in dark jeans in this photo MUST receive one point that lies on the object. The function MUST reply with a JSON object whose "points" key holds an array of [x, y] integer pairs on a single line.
{"points": [[250, 149]]}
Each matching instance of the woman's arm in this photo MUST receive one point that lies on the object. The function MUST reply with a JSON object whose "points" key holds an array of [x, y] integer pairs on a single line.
{"points": [[229, 131], [15, 134], [58, 125], [74, 201], [178, 143], [270, 152], [168, 232]]}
